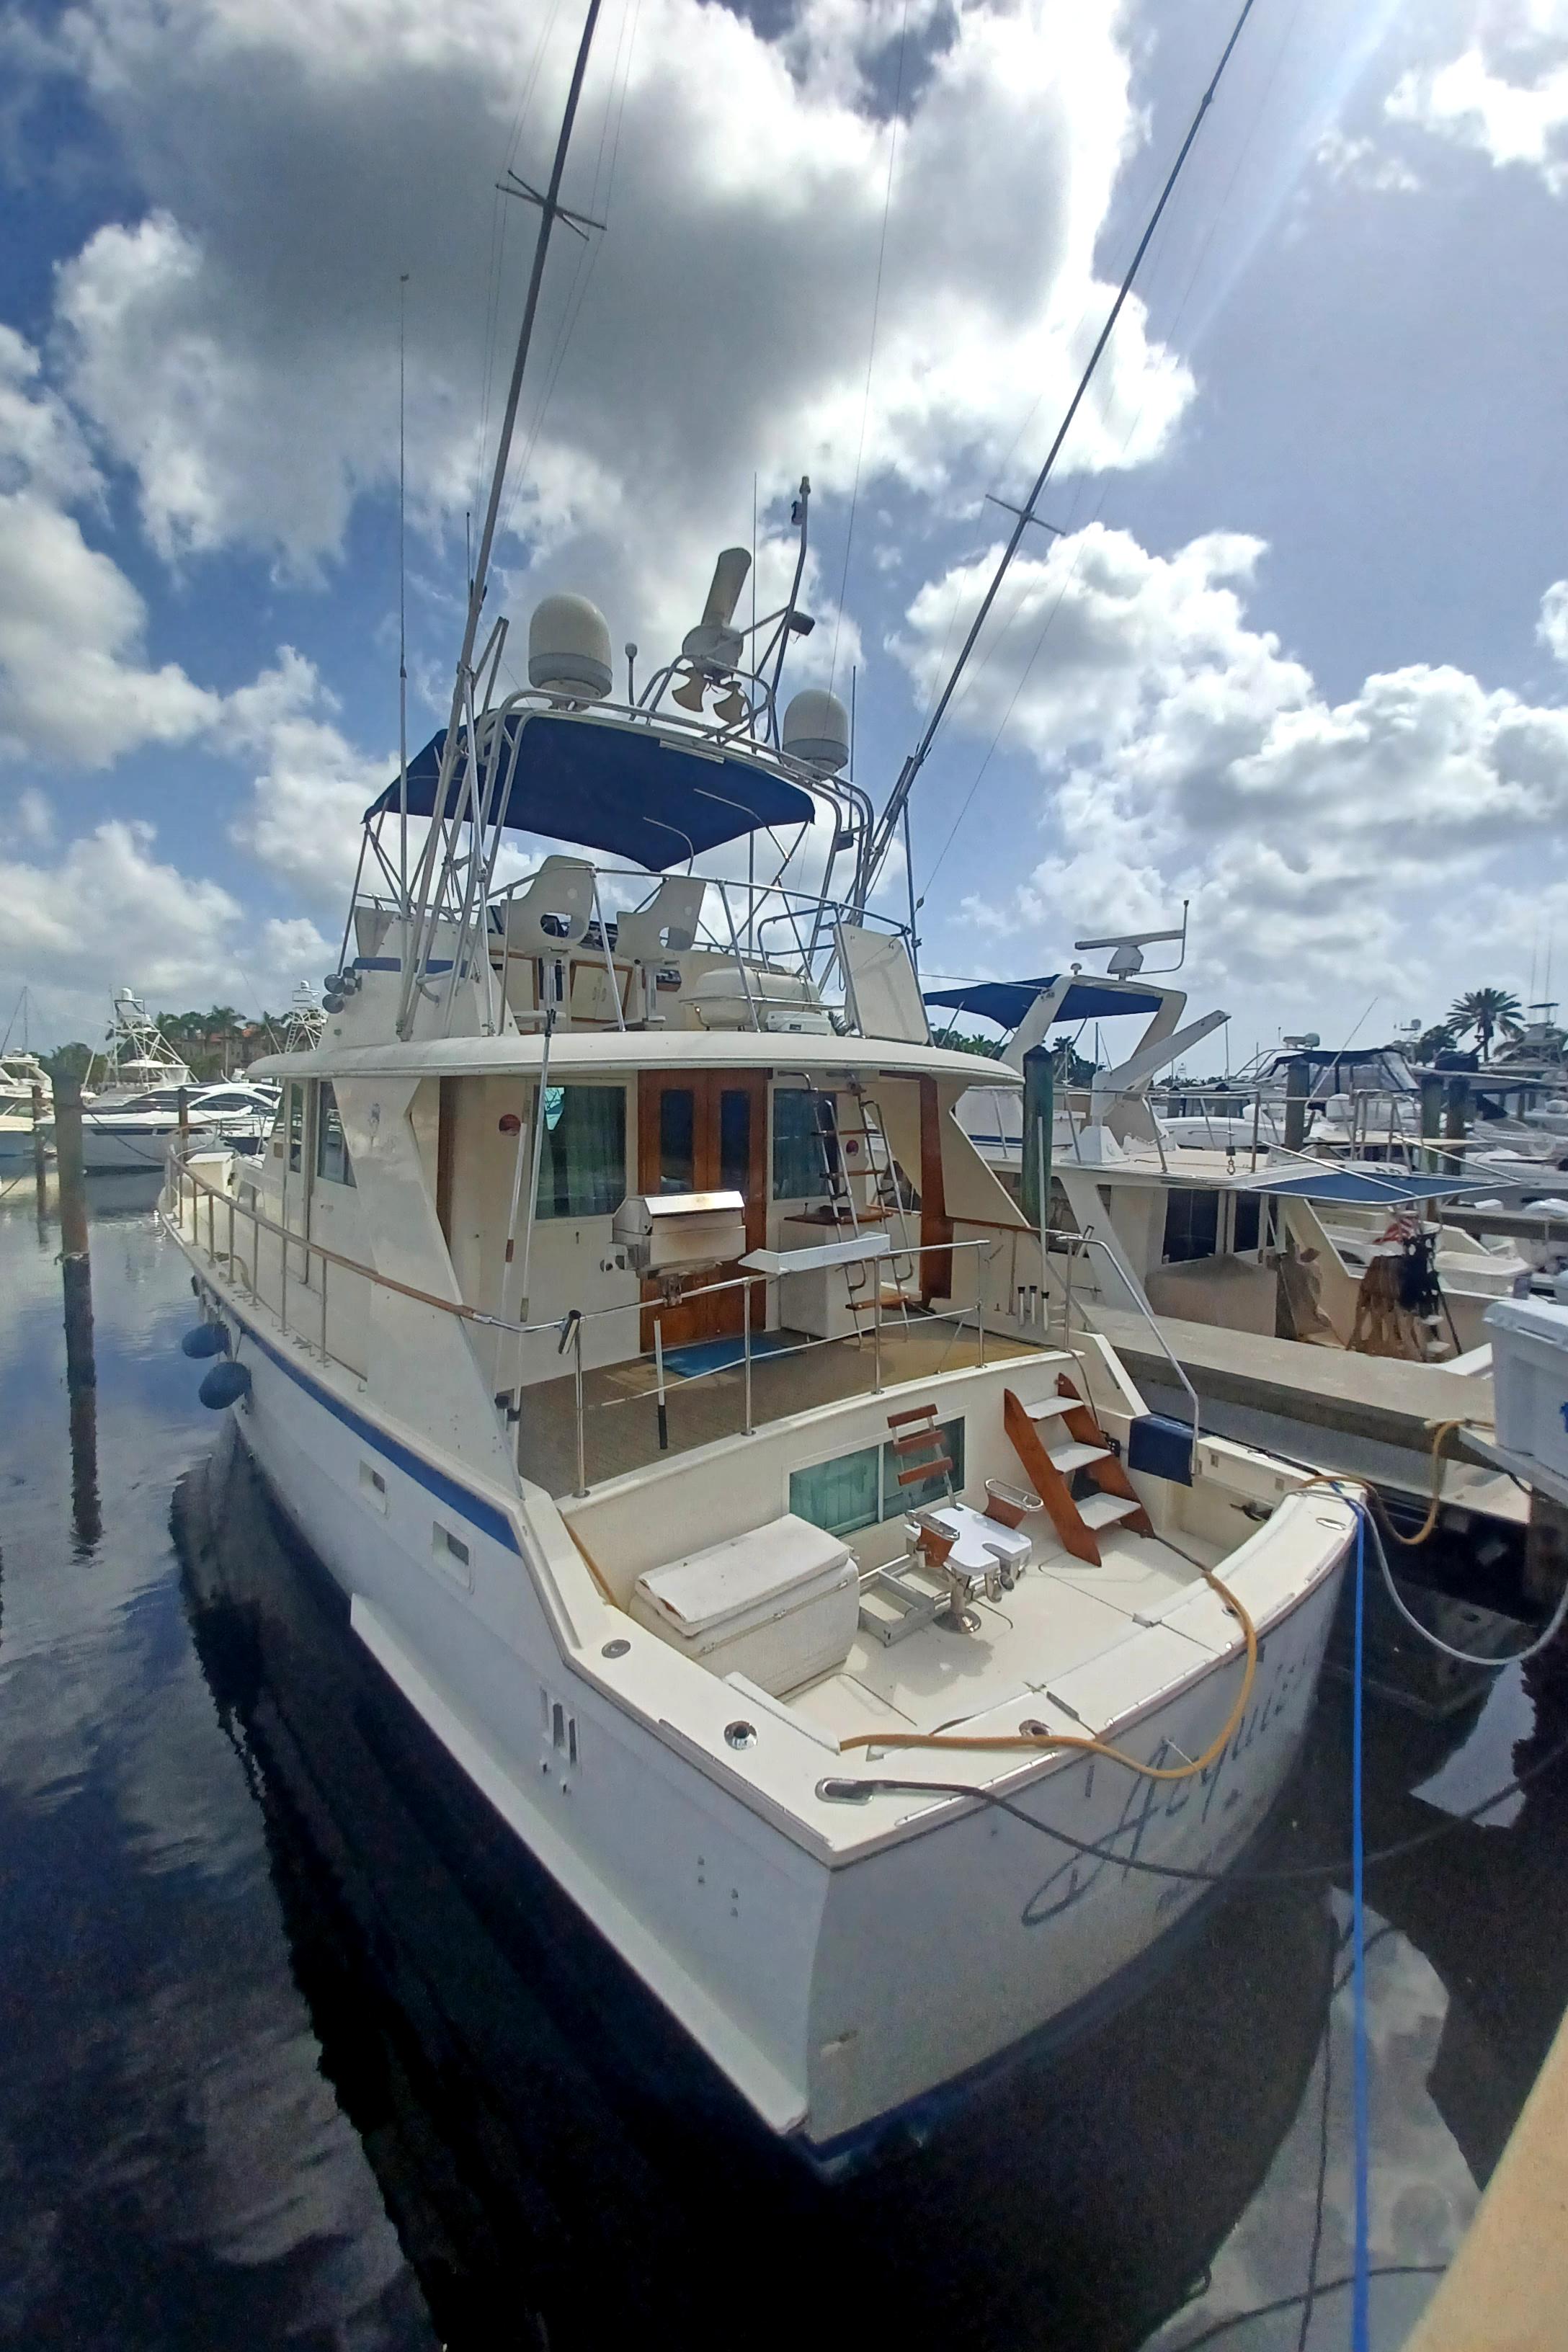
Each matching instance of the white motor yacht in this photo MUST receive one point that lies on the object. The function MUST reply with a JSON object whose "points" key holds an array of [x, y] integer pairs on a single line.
{"points": [[623, 1316], [19, 1075]]}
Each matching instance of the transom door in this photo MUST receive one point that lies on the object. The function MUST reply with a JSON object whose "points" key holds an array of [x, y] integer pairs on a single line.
{"points": [[705, 1132]]}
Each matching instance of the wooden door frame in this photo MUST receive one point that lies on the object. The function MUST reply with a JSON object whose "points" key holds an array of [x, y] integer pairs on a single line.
{"points": [[720, 1318]]}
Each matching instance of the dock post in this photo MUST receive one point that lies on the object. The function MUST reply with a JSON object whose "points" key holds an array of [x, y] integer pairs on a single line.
{"points": [[1298, 1087], [75, 1280], [40, 1173], [1456, 1102], [1546, 1549]]}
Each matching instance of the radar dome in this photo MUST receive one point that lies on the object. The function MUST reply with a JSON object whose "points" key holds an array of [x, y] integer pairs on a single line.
{"points": [[569, 648], [816, 730]]}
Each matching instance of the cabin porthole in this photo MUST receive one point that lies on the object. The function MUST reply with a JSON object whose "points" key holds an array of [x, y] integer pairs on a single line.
{"points": [[616, 1649], [740, 1735]]}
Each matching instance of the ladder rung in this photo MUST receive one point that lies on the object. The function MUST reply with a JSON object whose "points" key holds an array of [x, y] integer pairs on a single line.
{"points": [[1052, 1407], [915, 1413], [1069, 1458], [1104, 1511]]}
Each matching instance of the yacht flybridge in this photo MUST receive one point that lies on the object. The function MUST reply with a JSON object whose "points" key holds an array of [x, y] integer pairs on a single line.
{"points": [[691, 1415], [623, 1315]]}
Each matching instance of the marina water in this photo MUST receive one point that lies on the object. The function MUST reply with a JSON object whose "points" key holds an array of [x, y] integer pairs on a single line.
{"points": [[300, 2050]]}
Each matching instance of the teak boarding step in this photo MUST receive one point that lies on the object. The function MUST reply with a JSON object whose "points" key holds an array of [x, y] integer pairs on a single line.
{"points": [[1054, 1441]]}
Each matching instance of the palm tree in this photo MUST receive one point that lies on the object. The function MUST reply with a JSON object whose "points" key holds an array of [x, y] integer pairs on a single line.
{"points": [[1487, 1010], [1441, 1038]]}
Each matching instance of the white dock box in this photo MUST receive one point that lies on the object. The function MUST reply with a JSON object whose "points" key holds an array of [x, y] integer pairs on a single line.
{"points": [[781, 1604], [1530, 1378]]}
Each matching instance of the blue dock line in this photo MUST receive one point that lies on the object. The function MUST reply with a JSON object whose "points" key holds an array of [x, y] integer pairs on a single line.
{"points": [[1360, 2337]]}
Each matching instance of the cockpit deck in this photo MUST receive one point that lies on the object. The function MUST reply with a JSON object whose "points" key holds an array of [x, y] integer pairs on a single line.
{"points": [[620, 1402]]}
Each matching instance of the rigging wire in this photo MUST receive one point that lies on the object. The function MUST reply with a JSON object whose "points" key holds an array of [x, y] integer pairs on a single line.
{"points": [[871, 349], [887, 824], [1072, 529]]}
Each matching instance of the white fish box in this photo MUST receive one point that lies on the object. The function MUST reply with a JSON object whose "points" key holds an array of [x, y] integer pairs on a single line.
{"points": [[1530, 1378], [781, 1604]]}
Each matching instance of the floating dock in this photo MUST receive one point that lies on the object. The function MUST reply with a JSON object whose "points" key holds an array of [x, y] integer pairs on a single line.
{"points": [[1507, 2287], [1352, 1415]]}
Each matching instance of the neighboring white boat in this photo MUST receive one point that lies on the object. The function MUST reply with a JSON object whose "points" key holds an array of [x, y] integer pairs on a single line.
{"points": [[1209, 1217], [136, 1133], [141, 1058], [688, 1480], [19, 1074]]}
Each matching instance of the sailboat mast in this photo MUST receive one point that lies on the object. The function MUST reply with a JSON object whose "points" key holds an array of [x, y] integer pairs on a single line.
{"points": [[550, 210], [898, 799]]}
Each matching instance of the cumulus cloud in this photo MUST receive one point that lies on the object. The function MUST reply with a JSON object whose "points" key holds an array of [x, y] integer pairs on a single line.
{"points": [[73, 688], [1188, 755], [237, 344], [108, 911], [307, 799], [1361, 163], [1551, 628], [1505, 96]]}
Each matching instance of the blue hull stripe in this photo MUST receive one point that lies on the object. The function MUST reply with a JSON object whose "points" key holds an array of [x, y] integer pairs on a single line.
{"points": [[467, 1505]]}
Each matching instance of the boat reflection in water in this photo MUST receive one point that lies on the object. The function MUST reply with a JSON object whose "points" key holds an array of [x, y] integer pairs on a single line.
{"points": [[556, 2155]]}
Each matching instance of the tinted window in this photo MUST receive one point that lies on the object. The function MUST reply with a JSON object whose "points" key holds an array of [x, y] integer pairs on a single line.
{"points": [[331, 1152], [582, 1154], [805, 1148], [1192, 1225], [677, 1139], [1247, 1206]]}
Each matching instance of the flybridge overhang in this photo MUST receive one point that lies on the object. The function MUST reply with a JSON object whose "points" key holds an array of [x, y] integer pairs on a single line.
{"points": [[626, 787], [1006, 1002]]}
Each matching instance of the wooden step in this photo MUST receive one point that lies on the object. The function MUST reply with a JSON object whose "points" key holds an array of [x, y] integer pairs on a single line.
{"points": [[1103, 1510], [1069, 1458], [1051, 1409]]}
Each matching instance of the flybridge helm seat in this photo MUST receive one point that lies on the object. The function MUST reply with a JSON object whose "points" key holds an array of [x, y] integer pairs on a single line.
{"points": [[560, 896]]}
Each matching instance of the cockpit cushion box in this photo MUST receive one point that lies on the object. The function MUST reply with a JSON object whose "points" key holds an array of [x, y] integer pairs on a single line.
{"points": [[780, 1604]]}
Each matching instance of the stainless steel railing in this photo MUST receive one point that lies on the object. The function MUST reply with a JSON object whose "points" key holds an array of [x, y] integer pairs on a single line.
{"points": [[196, 1201]]}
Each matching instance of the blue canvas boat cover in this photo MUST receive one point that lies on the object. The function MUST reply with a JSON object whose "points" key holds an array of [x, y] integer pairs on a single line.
{"points": [[1006, 1001], [1365, 1187], [630, 790]]}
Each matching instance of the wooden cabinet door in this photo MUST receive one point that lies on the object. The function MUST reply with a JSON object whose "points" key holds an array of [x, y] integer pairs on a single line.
{"points": [[705, 1132]]}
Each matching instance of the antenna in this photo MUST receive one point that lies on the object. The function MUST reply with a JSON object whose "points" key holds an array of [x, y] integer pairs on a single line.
{"points": [[1129, 948], [888, 823], [550, 210]]}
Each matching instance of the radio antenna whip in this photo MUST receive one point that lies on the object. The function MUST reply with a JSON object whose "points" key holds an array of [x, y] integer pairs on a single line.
{"points": [[550, 210]]}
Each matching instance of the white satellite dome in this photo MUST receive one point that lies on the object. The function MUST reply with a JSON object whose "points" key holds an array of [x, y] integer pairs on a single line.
{"points": [[569, 648], [816, 730]]}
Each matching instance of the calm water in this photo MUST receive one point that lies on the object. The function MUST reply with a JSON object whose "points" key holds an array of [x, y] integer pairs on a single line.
{"points": [[299, 2053]]}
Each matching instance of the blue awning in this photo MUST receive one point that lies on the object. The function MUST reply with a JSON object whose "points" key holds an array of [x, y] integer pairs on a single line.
{"points": [[629, 790], [1366, 1187], [1006, 1001]]}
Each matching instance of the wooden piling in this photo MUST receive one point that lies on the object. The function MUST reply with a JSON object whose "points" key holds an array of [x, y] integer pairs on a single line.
{"points": [[75, 1280], [40, 1169]]}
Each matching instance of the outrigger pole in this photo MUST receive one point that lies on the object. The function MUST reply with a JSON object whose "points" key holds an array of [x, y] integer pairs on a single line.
{"points": [[888, 824], [420, 914]]}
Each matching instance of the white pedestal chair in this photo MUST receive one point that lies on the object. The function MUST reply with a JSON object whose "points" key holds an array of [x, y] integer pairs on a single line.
{"points": [[646, 937], [562, 889]]}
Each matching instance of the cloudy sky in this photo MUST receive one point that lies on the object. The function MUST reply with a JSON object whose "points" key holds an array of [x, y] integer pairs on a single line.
{"points": [[1300, 654]]}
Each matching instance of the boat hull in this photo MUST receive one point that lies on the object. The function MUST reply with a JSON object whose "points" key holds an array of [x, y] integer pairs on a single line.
{"points": [[839, 1994]]}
